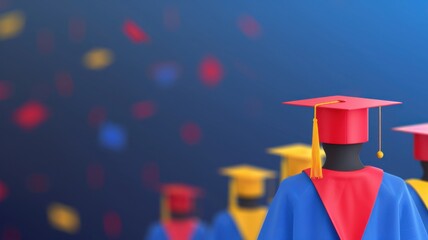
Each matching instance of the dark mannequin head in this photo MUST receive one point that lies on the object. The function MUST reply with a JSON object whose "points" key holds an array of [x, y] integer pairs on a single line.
{"points": [[343, 157], [249, 202], [424, 165], [182, 216]]}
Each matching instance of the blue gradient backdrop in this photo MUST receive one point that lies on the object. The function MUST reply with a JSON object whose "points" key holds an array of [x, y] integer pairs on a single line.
{"points": [[374, 49]]}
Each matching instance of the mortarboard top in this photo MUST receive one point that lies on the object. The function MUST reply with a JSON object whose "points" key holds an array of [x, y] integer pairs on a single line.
{"points": [[340, 120], [247, 172], [178, 198], [295, 158], [420, 139], [346, 102], [294, 151], [179, 189]]}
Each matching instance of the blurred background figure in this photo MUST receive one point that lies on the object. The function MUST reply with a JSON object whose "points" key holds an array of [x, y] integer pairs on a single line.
{"points": [[178, 215], [247, 210], [418, 187], [294, 158]]}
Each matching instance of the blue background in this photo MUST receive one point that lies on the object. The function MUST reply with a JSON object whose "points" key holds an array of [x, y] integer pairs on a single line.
{"points": [[306, 49]]}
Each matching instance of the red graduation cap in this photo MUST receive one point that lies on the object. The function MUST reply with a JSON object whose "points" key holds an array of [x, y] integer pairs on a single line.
{"points": [[178, 198], [420, 138], [339, 120]]}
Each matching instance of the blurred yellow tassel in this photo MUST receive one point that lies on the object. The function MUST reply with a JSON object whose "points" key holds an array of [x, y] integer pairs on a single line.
{"points": [[164, 210]]}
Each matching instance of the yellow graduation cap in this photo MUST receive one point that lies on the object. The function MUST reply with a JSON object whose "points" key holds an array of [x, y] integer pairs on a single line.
{"points": [[245, 181], [295, 158]]}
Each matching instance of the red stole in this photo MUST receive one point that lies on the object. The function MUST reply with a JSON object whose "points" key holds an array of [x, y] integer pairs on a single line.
{"points": [[349, 197], [180, 229]]}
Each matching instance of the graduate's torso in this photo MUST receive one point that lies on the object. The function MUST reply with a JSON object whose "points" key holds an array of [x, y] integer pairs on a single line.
{"points": [[419, 191], [240, 224], [297, 212], [177, 231], [249, 221]]}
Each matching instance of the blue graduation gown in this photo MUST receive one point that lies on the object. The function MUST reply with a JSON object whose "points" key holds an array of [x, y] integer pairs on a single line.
{"points": [[297, 212], [423, 211], [157, 232], [224, 228]]}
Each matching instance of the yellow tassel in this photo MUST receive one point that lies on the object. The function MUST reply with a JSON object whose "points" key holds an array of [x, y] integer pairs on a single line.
{"points": [[233, 196], [164, 210], [316, 170]]}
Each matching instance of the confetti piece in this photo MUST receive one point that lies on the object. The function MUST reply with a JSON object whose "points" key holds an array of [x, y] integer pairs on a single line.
{"points": [[249, 26], [112, 224], [5, 90], [11, 233], [95, 176], [97, 115], [171, 18], [64, 84], [211, 71], [76, 29], [45, 41], [63, 218], [30, 115], [134, 32], [191, 133], [4, 191], [150, 176], [11, 24], [143, 110], [165, 74], [112, 136], [38, 183], [98, 58]]}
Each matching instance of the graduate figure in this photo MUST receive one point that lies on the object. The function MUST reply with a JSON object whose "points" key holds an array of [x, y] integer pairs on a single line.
{"points": [[344, 199], [246, 213], [178, 221], [418, 188], [295, 158]]}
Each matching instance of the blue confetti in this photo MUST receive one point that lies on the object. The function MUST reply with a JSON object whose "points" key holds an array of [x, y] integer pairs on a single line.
{"points": [[112, 136], [165, 74]]}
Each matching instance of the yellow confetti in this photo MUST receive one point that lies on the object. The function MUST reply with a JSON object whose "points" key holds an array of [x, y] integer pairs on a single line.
{"points": [[63, 218], [11, 24], [98, 58]]}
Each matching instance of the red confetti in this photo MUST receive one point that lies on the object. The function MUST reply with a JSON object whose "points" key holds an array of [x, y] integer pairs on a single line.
{"points": [[4, 4], [112, 224], [11, 233], [45, 41], [96, 116], [4, 191], [64, 84], [150, 176], [5, 90], [191, 133], [143, 110], [249, 26], [95, 176], [171, 18], [211, 71], [76, 29], [134, 32], [38, 183], [30, 115]]}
